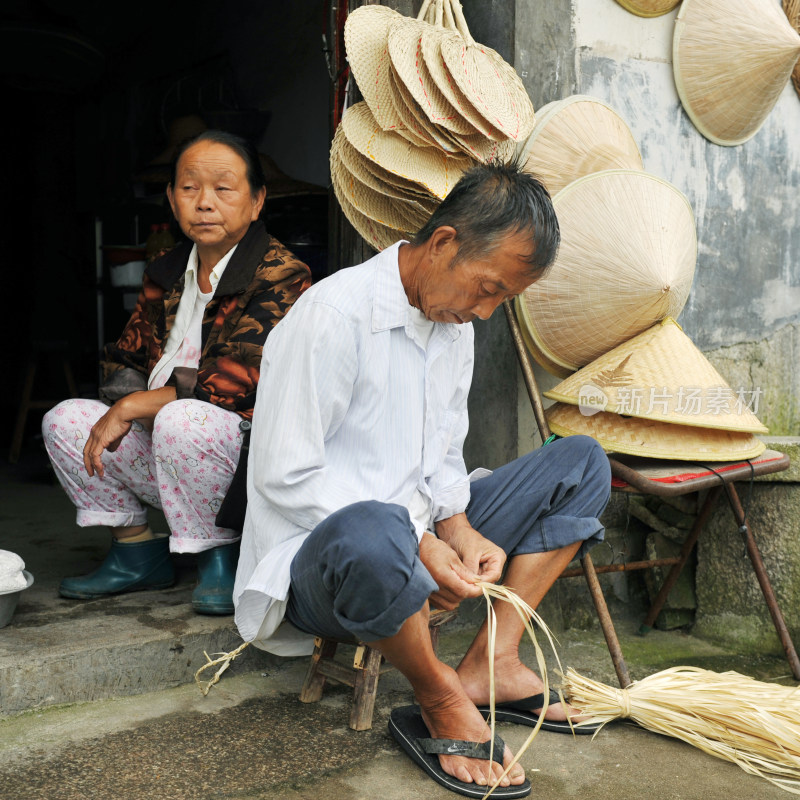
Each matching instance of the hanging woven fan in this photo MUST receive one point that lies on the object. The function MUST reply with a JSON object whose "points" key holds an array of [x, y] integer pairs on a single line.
{"points": [[487, 81], [626, 261], [427, 166], [648, 8], [575, 137], [731, 60], [660, 375], [365, 38], [652, 438], [792, 9]]}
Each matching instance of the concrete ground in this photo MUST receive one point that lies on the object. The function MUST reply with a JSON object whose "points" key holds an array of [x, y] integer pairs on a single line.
{"points": [[98, 700]]}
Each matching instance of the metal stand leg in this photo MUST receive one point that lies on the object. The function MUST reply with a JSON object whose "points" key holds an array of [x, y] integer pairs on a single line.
{"points": [[763, 580], [623, 676]]}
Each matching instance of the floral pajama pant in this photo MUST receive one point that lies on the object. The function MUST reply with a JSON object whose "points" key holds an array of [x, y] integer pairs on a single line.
{"points": [[184, 467]]}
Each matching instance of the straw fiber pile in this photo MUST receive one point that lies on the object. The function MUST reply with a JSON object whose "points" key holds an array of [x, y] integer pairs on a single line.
{"points": [[435, 103]]}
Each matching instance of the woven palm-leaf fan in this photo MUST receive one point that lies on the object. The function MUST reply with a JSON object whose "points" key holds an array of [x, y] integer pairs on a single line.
{"points": [[626, 261], [427, 166], [751, 723], [652, 438], [575, 137], [489, 83], [792, 9], [365, 37], [731, 60], [648, 8], [660, 375]]}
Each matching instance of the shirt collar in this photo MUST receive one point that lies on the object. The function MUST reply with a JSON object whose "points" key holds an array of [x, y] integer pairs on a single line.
{"points": [[390, 308], [216, 273]]}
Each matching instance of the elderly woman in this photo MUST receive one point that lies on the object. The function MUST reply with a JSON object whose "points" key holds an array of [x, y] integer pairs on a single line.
{"points": [[179, 386]]}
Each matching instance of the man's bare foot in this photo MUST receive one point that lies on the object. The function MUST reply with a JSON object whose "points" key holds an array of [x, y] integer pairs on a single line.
{"points": [[449, 714], [513, 681]]}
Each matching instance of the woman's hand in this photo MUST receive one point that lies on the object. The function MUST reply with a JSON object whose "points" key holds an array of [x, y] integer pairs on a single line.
{"points": [[106, 434], [114, 425]]}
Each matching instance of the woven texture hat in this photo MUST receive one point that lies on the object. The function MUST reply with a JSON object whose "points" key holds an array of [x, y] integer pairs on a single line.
{"points": [[653, 439], [626, 261], [731, 60], [792, 9], [660, 375], [575, 137], [648, 8]]}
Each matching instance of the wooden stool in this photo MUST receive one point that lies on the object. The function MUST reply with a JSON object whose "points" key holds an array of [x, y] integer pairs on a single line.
{"points": [[27, 402], [362, 676]]}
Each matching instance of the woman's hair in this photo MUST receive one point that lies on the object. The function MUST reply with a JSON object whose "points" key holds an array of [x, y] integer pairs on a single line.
{"points": [[490, 202], [242, 147]]}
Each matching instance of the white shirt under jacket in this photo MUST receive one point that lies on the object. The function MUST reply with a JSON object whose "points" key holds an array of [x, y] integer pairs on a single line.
{"points": [[351, 406]]}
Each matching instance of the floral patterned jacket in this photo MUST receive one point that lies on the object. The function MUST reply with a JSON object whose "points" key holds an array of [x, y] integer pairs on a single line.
{"points": [[259, 285]]}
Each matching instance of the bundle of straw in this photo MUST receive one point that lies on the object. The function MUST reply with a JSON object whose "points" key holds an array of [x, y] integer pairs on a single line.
{"points": [[751, 723]]}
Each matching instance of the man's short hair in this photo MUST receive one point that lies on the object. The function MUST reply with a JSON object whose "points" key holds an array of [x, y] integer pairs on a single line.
{"points": [[490, 202]]}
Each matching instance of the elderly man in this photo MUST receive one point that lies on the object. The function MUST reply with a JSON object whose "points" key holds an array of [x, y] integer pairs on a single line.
{"points": [[361, 514]]}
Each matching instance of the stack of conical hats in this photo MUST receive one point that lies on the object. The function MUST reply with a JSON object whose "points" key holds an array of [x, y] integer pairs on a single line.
{"points": [[628, 239], [657, 395], [731, 60], [435, 103]]}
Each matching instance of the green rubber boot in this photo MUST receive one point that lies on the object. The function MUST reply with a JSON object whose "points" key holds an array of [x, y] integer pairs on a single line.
{"points": [[128, 567], [216, 572]]}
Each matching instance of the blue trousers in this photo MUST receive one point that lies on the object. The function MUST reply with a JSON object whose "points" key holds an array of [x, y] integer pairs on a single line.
{"points": [[358, 574]]}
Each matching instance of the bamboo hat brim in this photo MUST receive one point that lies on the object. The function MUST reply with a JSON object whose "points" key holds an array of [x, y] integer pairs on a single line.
{"points": [[427, 166], [366, 32], [792, 10], [575, 137], [660, 375], [653, 439], [626, 261], [648, 8], [731, 60]]}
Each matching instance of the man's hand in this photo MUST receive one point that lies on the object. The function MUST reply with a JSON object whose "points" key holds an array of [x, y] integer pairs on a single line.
{"points": [[454, 579], [480, 556]]}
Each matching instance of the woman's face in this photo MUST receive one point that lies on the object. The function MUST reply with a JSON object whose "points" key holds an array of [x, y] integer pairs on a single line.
{"points": [[211, 198]]}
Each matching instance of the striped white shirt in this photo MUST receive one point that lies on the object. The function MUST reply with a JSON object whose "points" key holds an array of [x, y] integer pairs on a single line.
{"points": [[351, 405]]}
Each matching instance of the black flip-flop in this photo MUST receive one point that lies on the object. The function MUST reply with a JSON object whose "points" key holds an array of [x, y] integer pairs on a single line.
{"points": [[522, 713], [407, 727]]}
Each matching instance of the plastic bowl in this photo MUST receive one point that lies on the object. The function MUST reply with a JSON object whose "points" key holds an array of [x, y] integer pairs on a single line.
{"points": [[9, 600]]}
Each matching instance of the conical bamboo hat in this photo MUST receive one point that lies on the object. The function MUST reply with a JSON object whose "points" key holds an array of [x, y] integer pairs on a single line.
{"points": [[626, 261], [575, 137], [648, 8], [653, 439], [427, 166], [731, 60], [792, 9], [660, 375]]}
